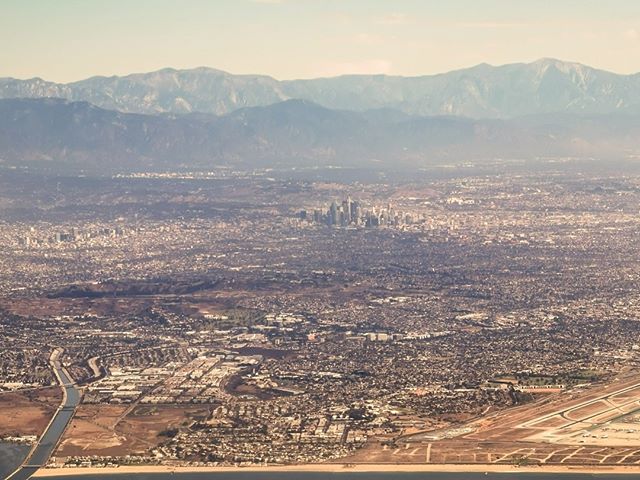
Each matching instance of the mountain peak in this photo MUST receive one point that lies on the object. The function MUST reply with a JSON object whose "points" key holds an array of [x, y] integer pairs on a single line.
{"points": [[561, 65], [547, 61]]}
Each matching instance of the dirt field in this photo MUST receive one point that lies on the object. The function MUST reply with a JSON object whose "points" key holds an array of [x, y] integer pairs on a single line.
{"points": [[120, 430], [28, 412]]}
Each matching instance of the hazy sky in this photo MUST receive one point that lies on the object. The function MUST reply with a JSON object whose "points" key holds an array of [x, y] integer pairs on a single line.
{"points": [[65, 40]]}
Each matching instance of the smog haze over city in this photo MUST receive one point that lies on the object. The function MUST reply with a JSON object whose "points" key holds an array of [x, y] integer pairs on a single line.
{"points": [[309, 239]]}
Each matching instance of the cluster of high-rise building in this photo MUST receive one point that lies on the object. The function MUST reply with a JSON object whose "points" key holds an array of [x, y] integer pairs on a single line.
{"points": [[73, 235], [351, 212]]}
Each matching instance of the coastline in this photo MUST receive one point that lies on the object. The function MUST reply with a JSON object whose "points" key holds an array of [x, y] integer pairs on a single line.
{"points": [[337, 468]]}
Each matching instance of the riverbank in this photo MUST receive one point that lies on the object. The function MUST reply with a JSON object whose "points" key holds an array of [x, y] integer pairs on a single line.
{"points": [[11, 457], [42, 450], [340, 468]]}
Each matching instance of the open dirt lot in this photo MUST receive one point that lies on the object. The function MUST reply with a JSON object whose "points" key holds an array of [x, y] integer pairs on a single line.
{"points": [[120, 430], [28, 412]]}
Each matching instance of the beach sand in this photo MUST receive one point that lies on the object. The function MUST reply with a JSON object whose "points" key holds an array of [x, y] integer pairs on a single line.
{"points": [[334, 468]]}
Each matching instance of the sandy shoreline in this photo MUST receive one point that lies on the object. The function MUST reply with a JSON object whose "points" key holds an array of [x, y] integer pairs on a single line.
{"points": [[334, 468]]}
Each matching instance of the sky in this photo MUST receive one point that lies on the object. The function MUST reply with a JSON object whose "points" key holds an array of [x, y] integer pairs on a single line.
{"points": [[67, 40]]}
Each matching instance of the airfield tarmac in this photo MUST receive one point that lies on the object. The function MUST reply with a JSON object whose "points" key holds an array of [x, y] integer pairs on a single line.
{"points": [[599, 425]]}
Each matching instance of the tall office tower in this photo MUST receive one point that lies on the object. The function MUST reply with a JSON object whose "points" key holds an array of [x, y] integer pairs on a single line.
{"points": [[333, 213], [346, 209], [355, 212]]}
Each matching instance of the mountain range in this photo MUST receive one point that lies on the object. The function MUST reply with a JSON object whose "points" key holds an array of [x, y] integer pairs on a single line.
{"points": [[80, 137], [203, 117], [483, 91]]}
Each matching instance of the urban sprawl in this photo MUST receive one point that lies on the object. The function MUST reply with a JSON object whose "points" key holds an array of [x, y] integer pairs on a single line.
{"points": [[227, 321]]}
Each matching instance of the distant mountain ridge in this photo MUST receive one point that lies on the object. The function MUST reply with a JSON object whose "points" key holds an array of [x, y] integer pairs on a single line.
{"points": [[60, 135], [483, 91]]}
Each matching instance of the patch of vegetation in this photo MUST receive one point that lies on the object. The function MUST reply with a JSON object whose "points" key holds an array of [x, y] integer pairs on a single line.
{"points": [[521, 461], [568, 379], [169, 432], [233, 318]]}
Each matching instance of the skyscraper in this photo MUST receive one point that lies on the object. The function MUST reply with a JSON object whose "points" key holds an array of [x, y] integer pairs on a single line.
{"points": [[346, 210], [333, 214]]}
